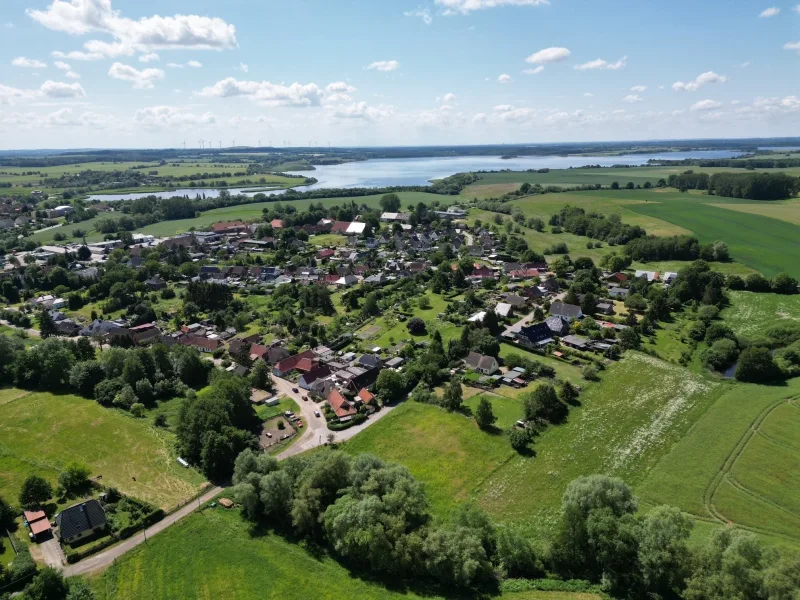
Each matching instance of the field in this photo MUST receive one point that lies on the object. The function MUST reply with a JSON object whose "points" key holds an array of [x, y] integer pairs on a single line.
{"points": [[750, 313], [41, 432], [213, 555], [787, 210]]}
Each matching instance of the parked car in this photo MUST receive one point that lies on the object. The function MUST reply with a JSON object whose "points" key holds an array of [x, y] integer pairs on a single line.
{"points": [[295, 390], [316, 413], [269, 434]]}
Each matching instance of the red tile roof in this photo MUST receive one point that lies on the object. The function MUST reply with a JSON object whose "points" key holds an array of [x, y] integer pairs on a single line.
{"points": [[34, 515], [258, 350], [292, 363], [340, 405], [228, 226], [366, 396], [524, 273], [277, 223], [39, 526], [340, 227], [325, 253]]}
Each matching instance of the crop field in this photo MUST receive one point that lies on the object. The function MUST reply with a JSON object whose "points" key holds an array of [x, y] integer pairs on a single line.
{"points": [[41, 432], [445, 450], [750, 313], [214, 554], [784, 210], [740, 463]]}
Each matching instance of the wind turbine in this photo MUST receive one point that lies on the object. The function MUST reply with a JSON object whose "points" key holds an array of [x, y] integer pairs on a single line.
{"points": [[233, 143], [184, 144], [201, 144], [220, 144]]}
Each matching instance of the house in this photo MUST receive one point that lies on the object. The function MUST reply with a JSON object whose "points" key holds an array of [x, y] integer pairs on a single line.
{"points": [[482, 272], [550, 284], [481, 363], [59, 211], [325, 253], [394, 363], [229, 227], [203, 344], [576, 342], [155, 283], [366, 396], [568, 311], [308, 379], [391, 217], [618, 293], [535, 336], [346, 281], [67, 327], [503, 309], [80, 521], [103, 329], [145, 333], [669, 277], [341, 407], [370, 361], [524, 274], [605, 308], [38, 523], [558, 325], [649, 275], [356, 228], [340, 227], [617, 278], [277, 223], [305, 361]]}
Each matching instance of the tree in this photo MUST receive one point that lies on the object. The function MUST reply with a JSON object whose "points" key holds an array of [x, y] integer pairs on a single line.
{"points": [[74, 477], [783, 284], [370, 307], [453, 395], [416, 326], [48, 584], [7, 515], [589, 304], [757, 366], [126, 397], [629, 339], [455, 556], [484, 415], [390, 203], [520, 438], [260, 376], [35, 491], [390, 386], [47, 327], [568, 393], [85, 376], [543, 405], [663, 555], [729, 566], [84, 253], [78, 590]]}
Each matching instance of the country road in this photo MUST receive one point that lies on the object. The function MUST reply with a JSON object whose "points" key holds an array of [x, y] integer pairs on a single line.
{"points": [[104, 559]]}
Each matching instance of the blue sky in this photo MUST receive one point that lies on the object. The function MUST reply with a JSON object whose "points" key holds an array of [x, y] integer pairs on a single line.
{"points": [[114, 73]]}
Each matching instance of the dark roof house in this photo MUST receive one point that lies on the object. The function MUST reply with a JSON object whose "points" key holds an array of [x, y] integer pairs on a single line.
{"points": [[80, 521], [568, 311]]}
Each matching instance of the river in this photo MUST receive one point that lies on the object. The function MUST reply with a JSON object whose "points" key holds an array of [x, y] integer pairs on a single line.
{"points": [[390, 172]]}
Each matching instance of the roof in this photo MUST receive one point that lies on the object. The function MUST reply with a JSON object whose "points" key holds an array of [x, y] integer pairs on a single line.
{"points": [[80, 518], [291, 363], [277, 223], [340, 405], [340, 227], [370, 360], [503, 309], [480, 361], [318, 373], [34, 515], [565, 310], [39, 526], [366, 396], [356, 227], [575, 340]]}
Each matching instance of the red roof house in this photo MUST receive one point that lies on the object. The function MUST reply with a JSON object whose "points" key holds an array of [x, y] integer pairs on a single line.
{"points": [[341, 407], [305, 361], [326, 253], [366, 396], [229, 227], [277, 224], [340, 227]]}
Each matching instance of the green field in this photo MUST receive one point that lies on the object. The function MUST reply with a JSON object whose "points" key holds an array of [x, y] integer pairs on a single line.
{"points": [[785, 210], [42, 432], [750, 313], [213, 555]]}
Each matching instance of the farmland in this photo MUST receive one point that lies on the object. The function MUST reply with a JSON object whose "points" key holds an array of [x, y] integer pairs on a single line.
{"points": [[42, 432], [750, 313], [213, 555]]}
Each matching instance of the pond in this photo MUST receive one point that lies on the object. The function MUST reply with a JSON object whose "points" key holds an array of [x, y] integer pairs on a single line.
{"points": [[419, 171]]}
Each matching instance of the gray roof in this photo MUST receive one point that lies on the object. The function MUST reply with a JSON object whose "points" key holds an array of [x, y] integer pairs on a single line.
{"points": [[565, 310], [79, 518]]}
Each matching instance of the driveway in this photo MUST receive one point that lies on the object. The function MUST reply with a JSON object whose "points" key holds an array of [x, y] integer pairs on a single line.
{"points": [[51, 552], [315, 429]]}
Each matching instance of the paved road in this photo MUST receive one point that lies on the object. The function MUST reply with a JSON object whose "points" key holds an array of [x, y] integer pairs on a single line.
{"points": [[104, 559], [315, 429]]}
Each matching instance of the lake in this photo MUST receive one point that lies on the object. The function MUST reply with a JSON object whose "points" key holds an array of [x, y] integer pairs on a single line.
{"points": [[419, 171]]}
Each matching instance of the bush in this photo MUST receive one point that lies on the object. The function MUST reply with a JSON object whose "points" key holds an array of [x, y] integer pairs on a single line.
{"points": [[756, 365], [520, 438], [138, 410], [416, 326], [160, 420], [590, 372]]}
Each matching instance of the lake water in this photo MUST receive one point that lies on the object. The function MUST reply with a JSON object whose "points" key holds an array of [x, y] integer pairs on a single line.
{"points": [[419, 171]]}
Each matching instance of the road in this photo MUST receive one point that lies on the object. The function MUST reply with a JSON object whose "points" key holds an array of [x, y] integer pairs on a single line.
{"points": [[104, 559], [315, 429]]}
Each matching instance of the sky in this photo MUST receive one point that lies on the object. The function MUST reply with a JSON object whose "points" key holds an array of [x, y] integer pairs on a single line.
{"points": [[154, 74]]}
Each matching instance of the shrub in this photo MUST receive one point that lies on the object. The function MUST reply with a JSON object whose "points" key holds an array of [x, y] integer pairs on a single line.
{"points": [[757, 365]]}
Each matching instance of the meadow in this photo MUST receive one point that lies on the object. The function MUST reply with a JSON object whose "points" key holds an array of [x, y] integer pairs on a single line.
{"points": [[41, 432], [214, 554], [750, 313]]}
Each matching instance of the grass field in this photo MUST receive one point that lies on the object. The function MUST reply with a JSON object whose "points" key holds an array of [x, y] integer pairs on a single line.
{"points": [[740, 463], [786, 210], [564, 370], [750, 313], [41, 432], [392, 331], [213, 555]]}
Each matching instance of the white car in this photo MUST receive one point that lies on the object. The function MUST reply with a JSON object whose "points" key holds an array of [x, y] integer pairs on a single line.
{"points": [[316, 413]]}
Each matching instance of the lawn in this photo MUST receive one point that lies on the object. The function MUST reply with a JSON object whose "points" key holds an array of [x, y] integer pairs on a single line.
{"points": [[445, 450], [750, 313], [392, 330], [213, 554], [564, 370], [738, 463], [507, 409], [41, 432]]}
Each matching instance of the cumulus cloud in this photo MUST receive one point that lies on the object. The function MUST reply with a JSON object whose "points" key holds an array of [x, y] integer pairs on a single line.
{"points": [[769, 12], [639, 89], [504, 78], [360, 111], [142, 79], [700, 81], [464, 7], [80, 17], [599, 63], [192, 64], [338, 92], [57, 89], [548, 55], [60, 64], [28, 63], [792, 45], [159, 117], [705, 105], [266, 93], [242, 67], [60, 118], [632, 98], [150, 57], [449, 98], [421, 13], [534, 71], [588, 94], [383, 65]]}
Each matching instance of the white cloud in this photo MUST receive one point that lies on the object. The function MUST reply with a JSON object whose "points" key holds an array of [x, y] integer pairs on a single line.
{"points": [[422, 13], [159, 117], [60, 64], [80, 17], [792, 46], [192, 64], [795, 9], [588, 94], [449, 98], [360, 111], [60, 118], [266, 93], [504, 78], [534, 71], [57, 89], [632, 98], [700, 81], [639, 88], [744, 65], [242, 67], [464, 7], [28, 63], [9, 94], [769, 12], [383, 65], [72, 74], [705, 105], [599, 63], [338, 92], [141, 79], [548, 55], [479, 118], [150, 57]]}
